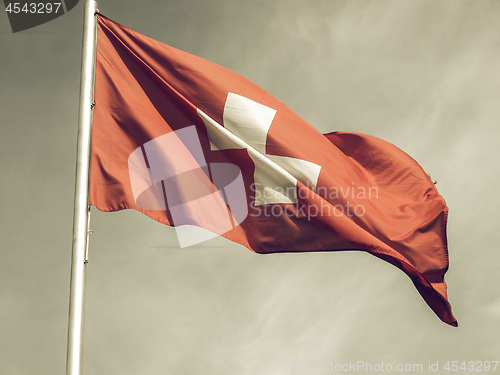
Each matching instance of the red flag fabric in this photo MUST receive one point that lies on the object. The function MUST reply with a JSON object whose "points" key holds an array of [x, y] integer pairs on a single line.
{"points": [[186, 141]]}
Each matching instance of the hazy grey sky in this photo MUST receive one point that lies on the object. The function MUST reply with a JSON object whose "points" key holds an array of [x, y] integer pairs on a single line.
{"points": [[423, 75]]}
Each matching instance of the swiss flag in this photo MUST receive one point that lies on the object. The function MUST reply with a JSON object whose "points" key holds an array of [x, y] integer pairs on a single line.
{"points": [[186, 141]]}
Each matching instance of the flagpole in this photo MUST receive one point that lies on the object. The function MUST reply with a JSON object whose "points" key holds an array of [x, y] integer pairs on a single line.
{"points": [[81, 210]]}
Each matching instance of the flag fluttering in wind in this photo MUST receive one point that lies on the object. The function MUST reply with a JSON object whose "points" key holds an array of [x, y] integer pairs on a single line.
{"points": [[186, 141]]}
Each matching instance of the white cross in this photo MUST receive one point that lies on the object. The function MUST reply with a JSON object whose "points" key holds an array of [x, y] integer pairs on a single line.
{"points": [[246, 125]]}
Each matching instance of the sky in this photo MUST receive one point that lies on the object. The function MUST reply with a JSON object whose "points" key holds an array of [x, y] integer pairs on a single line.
{"points": [[423, 75]]}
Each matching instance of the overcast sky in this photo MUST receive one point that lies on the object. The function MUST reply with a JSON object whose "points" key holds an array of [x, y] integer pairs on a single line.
{"points": [[423, 75]]}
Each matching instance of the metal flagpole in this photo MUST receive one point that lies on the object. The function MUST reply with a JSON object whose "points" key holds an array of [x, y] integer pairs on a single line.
{"points": [[81, 212]]}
